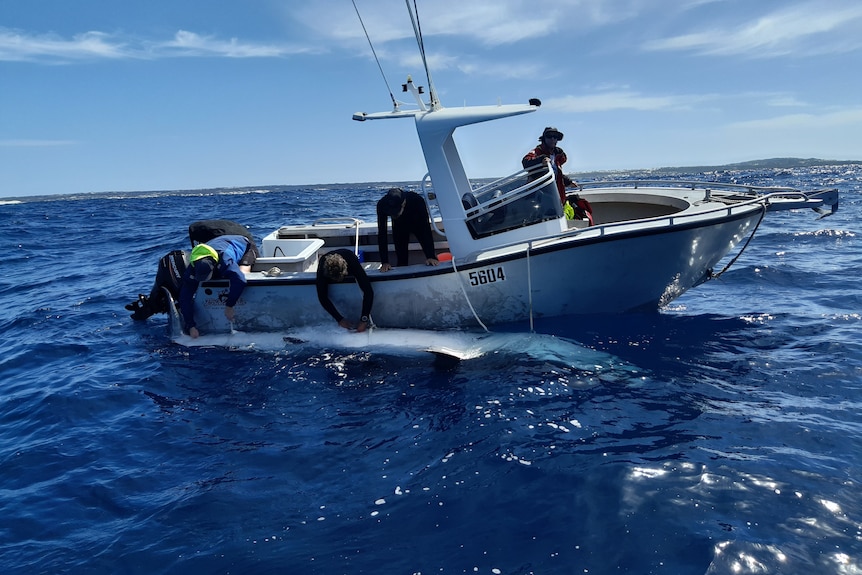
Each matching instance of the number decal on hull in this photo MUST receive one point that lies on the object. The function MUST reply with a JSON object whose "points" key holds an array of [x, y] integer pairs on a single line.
{"points": [[487, 276]]}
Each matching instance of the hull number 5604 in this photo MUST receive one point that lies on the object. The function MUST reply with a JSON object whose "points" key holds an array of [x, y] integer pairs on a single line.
{"points": [[486, 276]]}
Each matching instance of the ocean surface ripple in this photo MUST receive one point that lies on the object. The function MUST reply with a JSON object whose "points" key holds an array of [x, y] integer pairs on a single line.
{"points": [[721, 435]]}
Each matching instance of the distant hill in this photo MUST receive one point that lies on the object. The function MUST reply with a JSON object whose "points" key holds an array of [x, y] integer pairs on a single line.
{"points": [[768, 164], [634, 173]]}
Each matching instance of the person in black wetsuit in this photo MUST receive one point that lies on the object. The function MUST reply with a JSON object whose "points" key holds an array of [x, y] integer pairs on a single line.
{"points": [[409, 216], [333, 267]]}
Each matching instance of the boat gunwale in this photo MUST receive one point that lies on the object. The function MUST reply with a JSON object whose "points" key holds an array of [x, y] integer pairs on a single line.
{"points": [[473, 261], [693, 210]]}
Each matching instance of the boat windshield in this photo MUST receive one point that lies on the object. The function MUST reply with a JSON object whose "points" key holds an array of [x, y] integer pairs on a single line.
{"points": [[525, 198]]}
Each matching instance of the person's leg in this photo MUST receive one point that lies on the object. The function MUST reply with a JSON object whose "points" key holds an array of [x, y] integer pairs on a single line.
{"points": [[401, 237], [248, 258]]}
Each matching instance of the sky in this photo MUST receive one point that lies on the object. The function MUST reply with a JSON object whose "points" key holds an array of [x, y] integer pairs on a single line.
{"points": [[143, 95]]}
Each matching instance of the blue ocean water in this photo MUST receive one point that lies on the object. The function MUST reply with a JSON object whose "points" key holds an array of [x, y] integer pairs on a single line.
{"points": [[720, 435]]}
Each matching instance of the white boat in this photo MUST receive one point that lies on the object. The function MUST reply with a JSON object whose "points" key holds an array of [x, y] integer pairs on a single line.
{"points": [[515, 257]]}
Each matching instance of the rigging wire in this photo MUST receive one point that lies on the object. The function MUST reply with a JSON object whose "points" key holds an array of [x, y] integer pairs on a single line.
{"points": [[376, 59], [417, 31]]}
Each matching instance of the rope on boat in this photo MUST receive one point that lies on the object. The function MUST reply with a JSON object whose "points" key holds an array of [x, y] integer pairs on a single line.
{"points": [[530, 285], [750, 237], [529, 290], [466, 297], [376, 59]]}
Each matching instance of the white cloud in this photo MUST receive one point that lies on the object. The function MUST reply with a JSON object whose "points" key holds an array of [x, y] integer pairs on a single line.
{"points": [[810, 29], [191, 44], [488, 22], [495, 23], [20, 47], [35, 143], [475, 67], [508, 71], [847, 119], [621, 100], [785, 101]]}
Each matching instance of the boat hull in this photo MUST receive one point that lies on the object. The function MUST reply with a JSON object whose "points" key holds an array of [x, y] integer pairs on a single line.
{"points": [[566, 276]]}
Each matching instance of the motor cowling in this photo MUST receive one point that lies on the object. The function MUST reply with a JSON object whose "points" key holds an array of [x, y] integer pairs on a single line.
{"points": [[169, 276]]}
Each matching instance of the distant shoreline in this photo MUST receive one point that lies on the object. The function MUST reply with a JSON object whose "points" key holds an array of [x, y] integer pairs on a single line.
{"points": [[767, 164]]}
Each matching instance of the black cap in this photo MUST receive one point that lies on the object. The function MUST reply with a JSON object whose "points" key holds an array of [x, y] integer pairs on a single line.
{"points": [[203, 269], [392, 201]]}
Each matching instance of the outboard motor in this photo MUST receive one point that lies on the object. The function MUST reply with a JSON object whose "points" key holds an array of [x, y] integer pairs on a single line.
{"points": [[169, 276]]}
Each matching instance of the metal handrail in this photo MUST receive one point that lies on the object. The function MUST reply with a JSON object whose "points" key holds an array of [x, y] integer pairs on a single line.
{"points": [[671, 220], [426, 189], [354, 223], [349, 220], [530, 186], [601, 230], [690, 184]]}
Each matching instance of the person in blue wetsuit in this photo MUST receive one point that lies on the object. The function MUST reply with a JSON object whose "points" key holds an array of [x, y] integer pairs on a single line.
{"points": [[225, 257], [333, 267]]}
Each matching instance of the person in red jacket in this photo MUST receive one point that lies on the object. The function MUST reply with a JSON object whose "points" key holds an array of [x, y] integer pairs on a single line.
{"points": [[547, 152]]}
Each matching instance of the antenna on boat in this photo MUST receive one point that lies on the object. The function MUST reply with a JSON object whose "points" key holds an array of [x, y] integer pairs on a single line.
{"points": [[417, 30], [376, 59]]}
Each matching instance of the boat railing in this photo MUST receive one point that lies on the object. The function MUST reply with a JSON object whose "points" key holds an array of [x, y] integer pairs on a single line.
{"points": [[680, 219], [346, 221], [523, 198], [824, 201], [665, 221], [520, 199], [748, 190], [506, 190], [426, 190]]}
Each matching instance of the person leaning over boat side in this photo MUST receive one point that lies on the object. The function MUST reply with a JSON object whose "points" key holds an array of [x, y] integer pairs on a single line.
{"points": [[333, 267], [225, 257], [409, 216], [547, 152], [172, 267]]}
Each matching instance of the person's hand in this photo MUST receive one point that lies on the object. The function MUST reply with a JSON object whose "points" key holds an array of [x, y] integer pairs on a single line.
{"points": [[193, 331], [362, 326], [385, 267], [432, 262], [229, 313], [345, 324]]}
